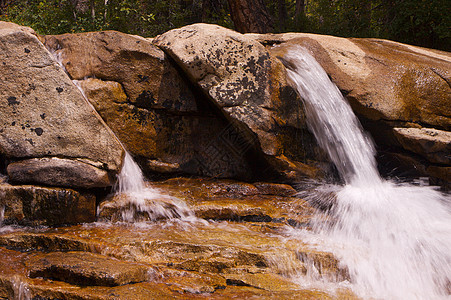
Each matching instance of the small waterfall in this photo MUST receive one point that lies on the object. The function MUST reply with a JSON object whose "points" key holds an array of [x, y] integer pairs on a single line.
{"points": [[141, 203], [2, 214], [21, 291], [395, 239], [332, 121], [131, 178]]}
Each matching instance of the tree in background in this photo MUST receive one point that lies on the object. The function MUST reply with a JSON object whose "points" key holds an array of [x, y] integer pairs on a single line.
{"points": [[146, 18], [419, 22], [250, 16]]}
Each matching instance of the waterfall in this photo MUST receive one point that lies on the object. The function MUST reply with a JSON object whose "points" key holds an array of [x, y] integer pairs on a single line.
{"points": [[144, 202], [395, 239], [332, 121], [141, 201]]}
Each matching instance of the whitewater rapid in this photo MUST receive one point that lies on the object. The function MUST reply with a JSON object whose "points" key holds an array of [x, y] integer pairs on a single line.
{"points": [[393, 238]]}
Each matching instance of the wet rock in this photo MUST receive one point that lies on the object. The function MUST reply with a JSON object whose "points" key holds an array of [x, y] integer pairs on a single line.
{"points": [[27, 241], [267, 188], [43, 113], [185, 260], [239, 201], [16, 284], [86, 269], [137, 291], [244, 292], [32, 205], [59, 172], [269, 282], [323, 265], [249, 87], [440, 176], [181, 280], [122, 207]]}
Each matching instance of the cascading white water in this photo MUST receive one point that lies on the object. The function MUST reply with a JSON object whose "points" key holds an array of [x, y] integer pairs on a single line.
{"points": [[332, 121], [146, 200], [395, 239], [141, 199]]}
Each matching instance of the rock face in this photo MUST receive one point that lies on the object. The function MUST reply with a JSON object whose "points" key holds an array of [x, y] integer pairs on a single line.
{"points": [[247, 84], [148, 104], [171, 127], [389, 85], [34, 206], [58, 172], [383, 80], [433, 144], [45, 115], [85, 269]]}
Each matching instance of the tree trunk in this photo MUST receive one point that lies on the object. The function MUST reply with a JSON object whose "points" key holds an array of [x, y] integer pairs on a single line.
{"points": [[299, 14], [282, 15], [300, 8], [250, 16], [93, 10]]}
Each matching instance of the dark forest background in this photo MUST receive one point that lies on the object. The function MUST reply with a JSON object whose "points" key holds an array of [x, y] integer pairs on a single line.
{"points": [[418, 22]]}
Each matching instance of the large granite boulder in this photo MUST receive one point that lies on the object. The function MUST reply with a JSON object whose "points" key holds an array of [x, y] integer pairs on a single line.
{"points": [[37, 206], [395, 89], [248, 86], [44, 115], [166, 123], [383, 80]]}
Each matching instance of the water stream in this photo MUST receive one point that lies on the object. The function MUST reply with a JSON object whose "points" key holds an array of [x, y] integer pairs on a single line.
{"points": [[142, 202], [395, 239]]}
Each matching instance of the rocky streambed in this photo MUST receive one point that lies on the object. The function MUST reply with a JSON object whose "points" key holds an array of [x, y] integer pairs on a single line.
{"points": [[193, 106], [237, 247]]}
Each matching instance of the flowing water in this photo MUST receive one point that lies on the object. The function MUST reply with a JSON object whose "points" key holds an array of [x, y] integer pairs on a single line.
{"points": [[145, 200], [142, 201], [395, 239]]}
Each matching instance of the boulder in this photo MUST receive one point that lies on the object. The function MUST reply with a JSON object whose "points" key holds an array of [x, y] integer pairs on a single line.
{"points": [[249, 87], [32, 205], [401, 93], [432, 144], [59, 172], [85, 269], [383, 80], [162, 121], [45, 115]]}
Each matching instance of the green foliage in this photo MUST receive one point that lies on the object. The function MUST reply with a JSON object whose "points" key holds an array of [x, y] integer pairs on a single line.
{"points": [[42, 15], [146, 18], [422, 22], [419, 22]]}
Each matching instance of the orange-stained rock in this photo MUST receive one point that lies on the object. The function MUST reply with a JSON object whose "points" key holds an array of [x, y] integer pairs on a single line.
{"points": [[34, 205], [85, 269], [241, 257]]}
